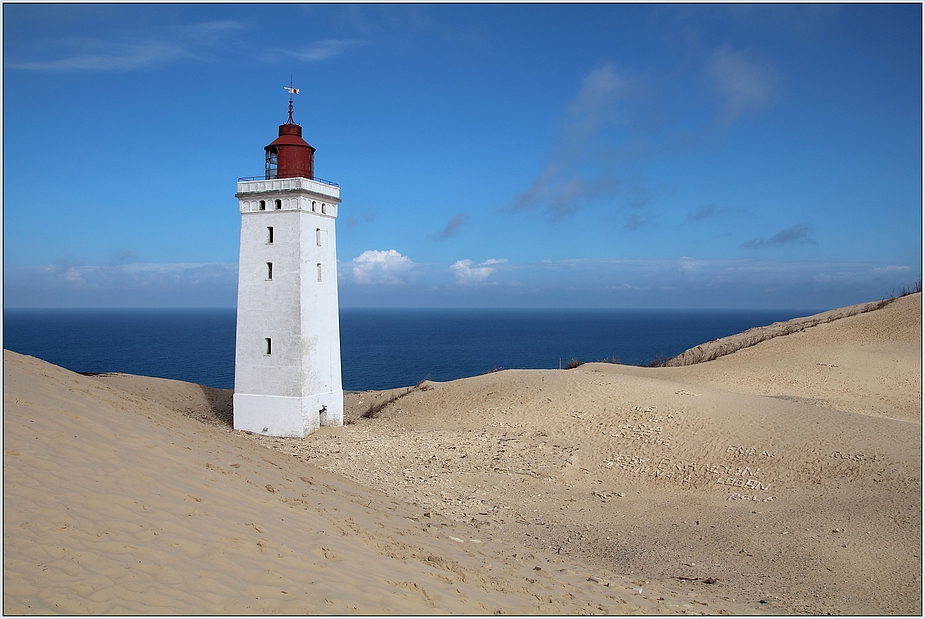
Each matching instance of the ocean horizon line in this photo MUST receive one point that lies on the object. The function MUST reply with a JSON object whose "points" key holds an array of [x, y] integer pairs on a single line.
{"points": [[381, 348], [448, 308]]}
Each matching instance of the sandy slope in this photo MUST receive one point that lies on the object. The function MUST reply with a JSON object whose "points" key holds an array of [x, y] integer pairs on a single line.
{"points": [[114, 503], [783, 478], [869, 363], [728, 345]]}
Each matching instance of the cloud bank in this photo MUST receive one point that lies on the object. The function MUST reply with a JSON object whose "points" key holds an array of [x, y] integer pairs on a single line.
{"points": [[615, 283], [389, 279], [122, 283]]}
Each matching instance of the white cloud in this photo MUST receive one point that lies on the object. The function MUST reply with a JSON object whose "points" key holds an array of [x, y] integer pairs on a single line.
{"points": [[209, 28], [381, 267], [72, 275], [466, 273], [114, 56], [562, 186], [322, 50], [181, 43], [615, 121], [746, 84], [597, 103]]}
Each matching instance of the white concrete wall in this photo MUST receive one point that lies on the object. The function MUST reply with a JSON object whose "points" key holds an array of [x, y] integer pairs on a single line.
{"points": [[286, 416], [297, 387], [284, 185]]}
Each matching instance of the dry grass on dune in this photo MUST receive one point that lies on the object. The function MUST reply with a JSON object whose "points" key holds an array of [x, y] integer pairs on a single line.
{"points": [[721, 347], [783, 478], [868, 363]]}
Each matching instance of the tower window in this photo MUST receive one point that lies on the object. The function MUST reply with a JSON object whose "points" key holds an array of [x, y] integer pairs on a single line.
{"points": [[269, 235], [269, 344], [318, 237], [313, 206], [323, 210], [263, 205], [269, 270], [279, 204], [319, 271]]}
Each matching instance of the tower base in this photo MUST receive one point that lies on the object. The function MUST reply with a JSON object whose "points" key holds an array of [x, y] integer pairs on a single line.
{"points": [[272, 415]]}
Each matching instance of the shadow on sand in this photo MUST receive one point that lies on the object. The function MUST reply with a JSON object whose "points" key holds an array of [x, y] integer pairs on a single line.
{"points": [[221, 408]]}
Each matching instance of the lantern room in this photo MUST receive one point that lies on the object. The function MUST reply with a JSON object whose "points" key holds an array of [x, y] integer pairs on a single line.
{"points": [[289, 156]]}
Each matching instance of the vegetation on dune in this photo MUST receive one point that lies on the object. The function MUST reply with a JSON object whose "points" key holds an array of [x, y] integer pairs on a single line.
{"points": [[728, 345], [374, 409]]}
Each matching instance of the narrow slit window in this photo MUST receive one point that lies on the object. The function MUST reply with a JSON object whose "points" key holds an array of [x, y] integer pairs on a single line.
{"points": [[263, 205], [279, 204], [323, 209], [319, 271], [313, 206], [269, 344], [269, 235], [318, 237], [269, 270]]}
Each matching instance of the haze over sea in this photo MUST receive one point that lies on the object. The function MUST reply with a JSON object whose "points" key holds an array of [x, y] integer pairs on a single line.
{"points": [[380, 348]]}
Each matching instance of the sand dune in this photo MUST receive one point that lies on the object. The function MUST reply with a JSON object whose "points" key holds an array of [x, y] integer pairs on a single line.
{"points": [[715, 349], [114, 503], [868, 363], [783, 478]]}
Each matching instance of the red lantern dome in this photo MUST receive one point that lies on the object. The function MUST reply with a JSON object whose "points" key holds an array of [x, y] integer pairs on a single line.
{"points": [[289, 156]]}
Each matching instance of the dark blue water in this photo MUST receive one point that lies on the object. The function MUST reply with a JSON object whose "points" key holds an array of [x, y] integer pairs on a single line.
{"points": [[380, 348], [192, 345]]}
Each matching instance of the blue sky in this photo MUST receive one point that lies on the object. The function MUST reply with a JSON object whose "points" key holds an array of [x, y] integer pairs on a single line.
{"points": [[728, 156]]}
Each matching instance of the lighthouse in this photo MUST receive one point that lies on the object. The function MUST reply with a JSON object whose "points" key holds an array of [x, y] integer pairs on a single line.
{"points": [[287, 374]]}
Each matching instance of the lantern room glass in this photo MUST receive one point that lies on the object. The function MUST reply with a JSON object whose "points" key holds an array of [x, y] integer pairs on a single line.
{"points": [[272, 162]]}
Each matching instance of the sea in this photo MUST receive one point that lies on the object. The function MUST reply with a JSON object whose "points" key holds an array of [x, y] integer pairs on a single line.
{"points": [[380, 348]]}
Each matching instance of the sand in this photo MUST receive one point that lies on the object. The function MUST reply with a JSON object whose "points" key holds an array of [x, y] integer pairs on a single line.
{"points": [[782, 478]]}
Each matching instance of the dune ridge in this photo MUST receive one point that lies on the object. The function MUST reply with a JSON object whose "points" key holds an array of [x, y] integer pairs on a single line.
{"points": [[782, 478], [727, 345]]}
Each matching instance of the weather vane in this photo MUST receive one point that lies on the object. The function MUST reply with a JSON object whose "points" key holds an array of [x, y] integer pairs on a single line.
{"points": [[292, 91]]}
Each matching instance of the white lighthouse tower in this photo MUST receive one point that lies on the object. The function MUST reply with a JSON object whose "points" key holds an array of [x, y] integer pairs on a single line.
{"points": [[287, 377]]}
